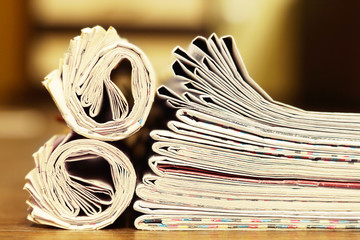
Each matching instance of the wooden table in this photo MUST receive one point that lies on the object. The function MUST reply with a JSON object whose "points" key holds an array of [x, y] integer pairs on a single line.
{"points": [[16, 161]]}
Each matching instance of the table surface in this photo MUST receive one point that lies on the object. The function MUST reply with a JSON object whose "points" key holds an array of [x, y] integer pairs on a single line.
{"points": [[17, 160]]}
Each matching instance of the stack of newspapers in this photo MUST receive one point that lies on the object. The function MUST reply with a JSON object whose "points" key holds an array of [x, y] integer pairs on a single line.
{"points": [[80, 181], [236, 159]]}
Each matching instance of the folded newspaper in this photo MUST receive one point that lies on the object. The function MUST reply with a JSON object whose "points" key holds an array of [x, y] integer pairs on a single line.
{"points": [[236, 159], [89, 101], [81, 183]]}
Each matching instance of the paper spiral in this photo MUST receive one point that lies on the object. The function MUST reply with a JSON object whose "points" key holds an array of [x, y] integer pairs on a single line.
{"points": [[82, 82], [72, 199]]}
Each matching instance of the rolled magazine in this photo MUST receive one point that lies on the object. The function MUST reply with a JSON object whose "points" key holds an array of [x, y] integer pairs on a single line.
{"points": [[80, 181], [236, 159], [89, 101]]}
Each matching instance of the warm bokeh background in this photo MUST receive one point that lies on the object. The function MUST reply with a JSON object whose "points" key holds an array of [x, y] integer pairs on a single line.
{"points": [[302, 52]]}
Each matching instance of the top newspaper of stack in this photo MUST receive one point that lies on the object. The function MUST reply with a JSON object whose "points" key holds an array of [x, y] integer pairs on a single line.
{"points": [[221, 107]]}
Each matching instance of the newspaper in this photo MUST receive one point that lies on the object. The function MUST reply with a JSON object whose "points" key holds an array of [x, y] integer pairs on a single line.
{"points": [[237, 159], [80, 181], [67, 193], [82, 83]]}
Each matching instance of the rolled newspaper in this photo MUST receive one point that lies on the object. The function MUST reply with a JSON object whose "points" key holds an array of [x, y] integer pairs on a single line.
{"points": [[79, 183], [83, 91]]}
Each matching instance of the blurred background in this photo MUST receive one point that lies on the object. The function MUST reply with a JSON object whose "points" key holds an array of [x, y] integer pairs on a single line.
{"points": [[302, 52]]}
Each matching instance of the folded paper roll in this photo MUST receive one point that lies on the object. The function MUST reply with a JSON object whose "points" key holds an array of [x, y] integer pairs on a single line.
{"points": [[79, 183], [84, 92]]}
